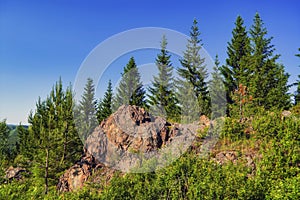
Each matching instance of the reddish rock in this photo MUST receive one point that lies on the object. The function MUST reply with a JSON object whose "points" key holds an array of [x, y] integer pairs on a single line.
{"points": [[125, 139], [75, 176], [204, 120]]}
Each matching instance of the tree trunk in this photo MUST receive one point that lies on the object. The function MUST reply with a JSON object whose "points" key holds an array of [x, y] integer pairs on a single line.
{"points": [[46, 170]]}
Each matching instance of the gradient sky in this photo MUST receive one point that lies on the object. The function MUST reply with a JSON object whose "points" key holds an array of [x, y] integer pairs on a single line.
{"points": [[43, 40]]}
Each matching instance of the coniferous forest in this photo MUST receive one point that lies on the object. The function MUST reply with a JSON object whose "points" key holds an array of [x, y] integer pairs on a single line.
{"points": [[257, 155]]}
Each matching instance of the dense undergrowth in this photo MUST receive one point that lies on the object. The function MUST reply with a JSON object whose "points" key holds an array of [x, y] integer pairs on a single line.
{"points": [[272, 139]]}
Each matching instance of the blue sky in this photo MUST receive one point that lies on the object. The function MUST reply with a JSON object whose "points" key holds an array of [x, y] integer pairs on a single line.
{"points": [[43, 40]]}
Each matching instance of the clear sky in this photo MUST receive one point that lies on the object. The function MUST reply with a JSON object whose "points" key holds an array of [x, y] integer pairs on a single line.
{"points": [[43, 40]]}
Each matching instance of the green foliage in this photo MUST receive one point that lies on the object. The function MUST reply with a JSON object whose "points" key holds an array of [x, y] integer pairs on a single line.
{"points": [[85, 114], [287, 188], [130, 90], [191, 177], [297, 93], [54, 141], [276, 174], [252, 63], [267, 125], [187, 178], [105, 105], [8, 144], [279, 167], [233, 129], [162, 96], [4, 134], [25, 140], [296, 110], [268, 79], [217, 92], [189, 104], [242, 106], [256, 88], [194, 72], [235, 71]]}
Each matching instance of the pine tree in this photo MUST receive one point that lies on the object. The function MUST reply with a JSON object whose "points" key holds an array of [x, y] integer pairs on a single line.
{"points": [[4, 134], [130, 90], [297, 93], [162, 96], [71, 143], [24, 142], [105, 106], [43, 131], [235, 71], [268, 83], [217, 92], [86, 120], [54, 140], [194, 70]]}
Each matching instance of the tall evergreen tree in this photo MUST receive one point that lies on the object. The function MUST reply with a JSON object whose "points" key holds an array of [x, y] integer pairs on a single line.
{"points": [[55, 142], [194, 70], [297, 84], [162, 96], [4, 134], [105, 105], [71, 144], [189, 106], [24, 143], [130, 90], [235, 71], [86, 119], [217, 92], [268, 83]]}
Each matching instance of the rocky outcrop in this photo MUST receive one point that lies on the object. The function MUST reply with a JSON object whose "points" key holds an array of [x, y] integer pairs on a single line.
{"points": [[75, 177], [131, 136], [234, 157], [127, 140]]}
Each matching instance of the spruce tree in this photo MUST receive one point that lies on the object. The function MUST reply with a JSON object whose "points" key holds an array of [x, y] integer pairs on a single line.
{"points": [[86, 120], [105, 105], [217, 92], [235, 71], [194, 70], [162, 96], [268, 83], [130, 90], [297, 93], [189, 106]]}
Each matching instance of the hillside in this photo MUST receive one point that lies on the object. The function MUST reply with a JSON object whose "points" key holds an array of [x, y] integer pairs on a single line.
{"points": [[192, 128], [257, 158]]}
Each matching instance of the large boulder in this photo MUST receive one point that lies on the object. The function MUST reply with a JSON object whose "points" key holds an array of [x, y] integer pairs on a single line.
{"points": [[127, 139], [131, 136], [75, 176]]}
